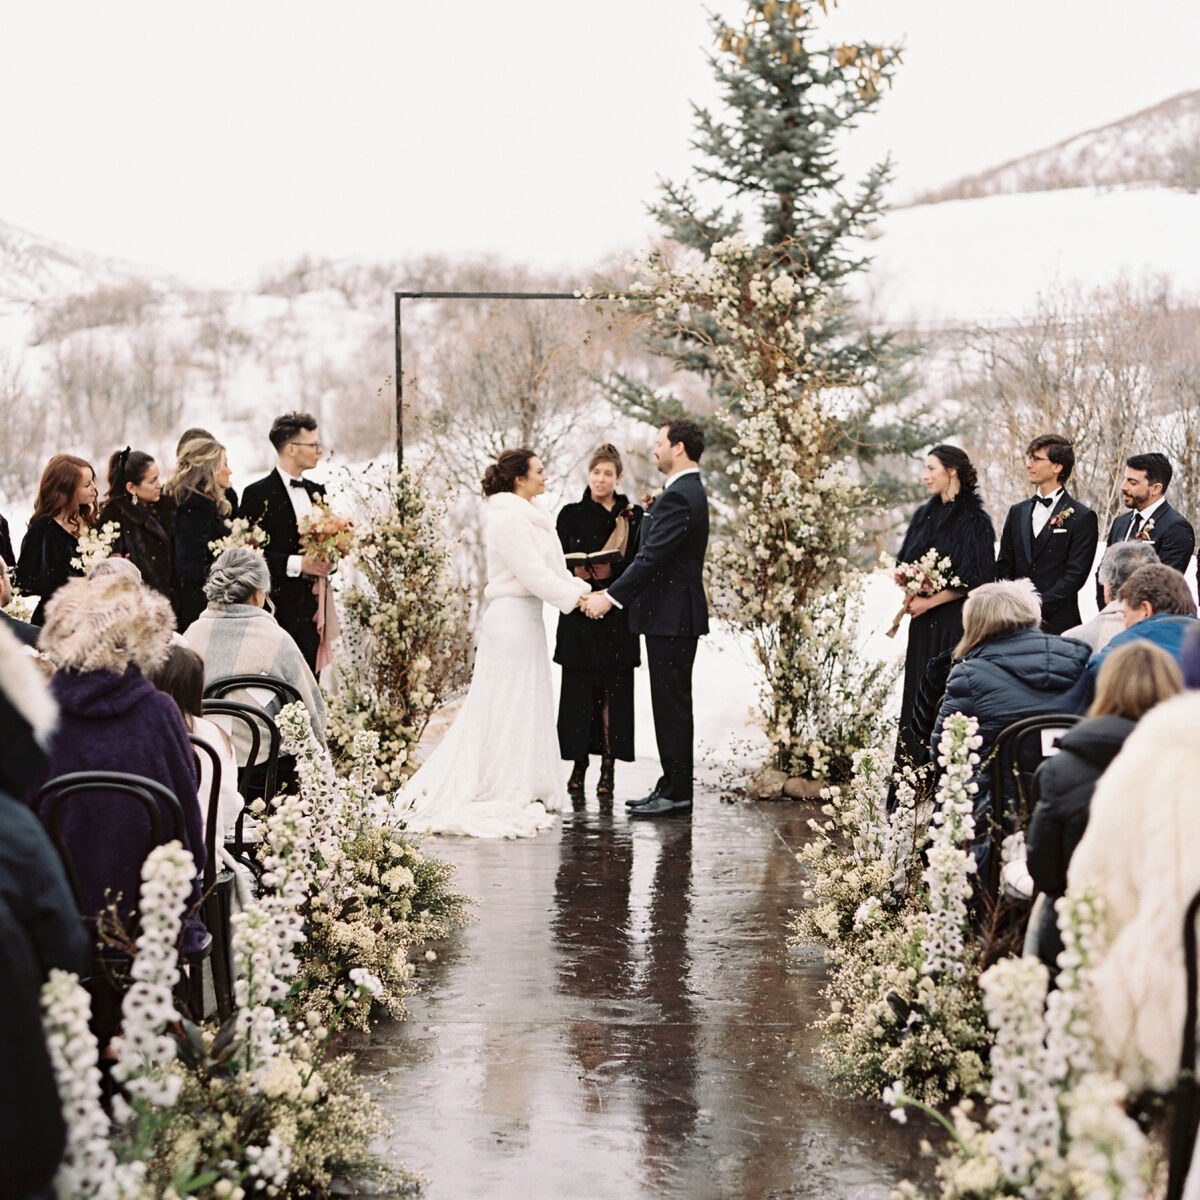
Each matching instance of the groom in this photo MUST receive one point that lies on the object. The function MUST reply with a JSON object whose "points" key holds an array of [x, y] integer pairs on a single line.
{"points": [[663, 589]]}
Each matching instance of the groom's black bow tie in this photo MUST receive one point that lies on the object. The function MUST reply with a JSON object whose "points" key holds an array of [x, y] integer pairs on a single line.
{"points": [[296, 483], [1046, 500]]}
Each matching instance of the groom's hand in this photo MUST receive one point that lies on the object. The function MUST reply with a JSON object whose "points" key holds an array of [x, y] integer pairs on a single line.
{"points": [[597, 604]]}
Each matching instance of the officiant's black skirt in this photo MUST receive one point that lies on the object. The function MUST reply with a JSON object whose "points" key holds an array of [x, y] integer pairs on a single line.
{"points": [[595, 713]]}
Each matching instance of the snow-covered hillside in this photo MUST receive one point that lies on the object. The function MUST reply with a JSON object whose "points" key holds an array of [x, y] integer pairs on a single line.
{"points": [[963, 262], [1159, 145]]}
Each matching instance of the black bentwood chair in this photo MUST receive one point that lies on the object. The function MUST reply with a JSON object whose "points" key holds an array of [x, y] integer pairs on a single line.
{"points": [[216, 908], [1186, 1118], [261, 782], [1019, 751], [164, 817]]}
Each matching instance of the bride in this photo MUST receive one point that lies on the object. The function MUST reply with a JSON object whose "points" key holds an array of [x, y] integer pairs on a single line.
{"points": [[497, 772]]}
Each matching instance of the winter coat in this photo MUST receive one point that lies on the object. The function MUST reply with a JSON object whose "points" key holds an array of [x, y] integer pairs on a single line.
{"points": [[1165, 630], [960, 530], [45, 563], [524, 557], [27, 716], [1102, 628], [197, 523], [146, 538], [1064, 785], [6, 550], [582, 643], [1140, 857], [110, 721]]}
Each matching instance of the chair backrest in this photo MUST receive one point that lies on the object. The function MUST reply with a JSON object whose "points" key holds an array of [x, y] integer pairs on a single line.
{"points": [[1015, 755], [203, 749], [156, 800], [218, 689], [1186, 1117], [254, 723]]}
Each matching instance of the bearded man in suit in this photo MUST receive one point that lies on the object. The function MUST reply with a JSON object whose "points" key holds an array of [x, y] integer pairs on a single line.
{"points": [[277, 503], [663, 591], [1149, 518], [1051, 537]]}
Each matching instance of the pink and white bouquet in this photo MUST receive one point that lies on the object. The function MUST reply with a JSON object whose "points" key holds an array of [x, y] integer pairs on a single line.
{"points": [[95, 545], [242, 532], [930, 574]]}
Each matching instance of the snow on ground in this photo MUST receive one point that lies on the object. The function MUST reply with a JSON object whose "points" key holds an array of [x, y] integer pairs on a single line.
{"points": [[963, 262]]}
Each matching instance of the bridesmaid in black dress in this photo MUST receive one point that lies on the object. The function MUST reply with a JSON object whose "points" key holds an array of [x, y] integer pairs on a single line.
{"points": [[595, 710], [954, 522], [145, 516], [66, 506]]}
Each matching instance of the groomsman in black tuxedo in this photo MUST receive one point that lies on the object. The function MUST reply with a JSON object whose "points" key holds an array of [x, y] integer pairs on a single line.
{"points": [[663, 589], [277, 503], [1051, 537], [1149, 517]]}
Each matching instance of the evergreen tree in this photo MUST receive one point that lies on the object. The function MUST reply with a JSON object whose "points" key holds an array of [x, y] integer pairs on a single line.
{"points": [[774, 150]]}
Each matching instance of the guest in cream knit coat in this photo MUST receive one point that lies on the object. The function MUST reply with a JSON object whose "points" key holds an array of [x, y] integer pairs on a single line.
{"points": [[497, 772], [1140, 855]]}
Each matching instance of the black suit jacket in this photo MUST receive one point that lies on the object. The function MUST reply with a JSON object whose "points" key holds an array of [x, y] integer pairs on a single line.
{"points": [[266, 503], [663, 587], [1171, 536], [1058, 560]]}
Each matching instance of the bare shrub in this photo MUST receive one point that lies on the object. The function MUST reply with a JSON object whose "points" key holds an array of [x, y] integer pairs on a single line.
{"points": [[123, 305], [23, 421]]}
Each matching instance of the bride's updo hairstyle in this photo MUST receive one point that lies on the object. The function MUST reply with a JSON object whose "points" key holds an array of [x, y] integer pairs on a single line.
{"points": [[502, 475], [953, 457]]}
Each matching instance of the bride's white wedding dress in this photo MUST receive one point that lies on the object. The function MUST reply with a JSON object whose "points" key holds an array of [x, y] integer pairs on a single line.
{"points": [[497, 772]]}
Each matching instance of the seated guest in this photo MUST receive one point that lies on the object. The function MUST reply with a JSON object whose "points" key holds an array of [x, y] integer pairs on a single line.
{"points": [[1132, 681], [123, 567], [203, 513], [1157, 607], [65, 507], [1119, 562], [181, 676], [235, 635], [1140, 858], [1006, 668], [103, 635], [28, 715]]}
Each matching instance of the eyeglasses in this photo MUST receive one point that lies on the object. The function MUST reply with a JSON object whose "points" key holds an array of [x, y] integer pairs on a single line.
{"points": [[316, 444]]}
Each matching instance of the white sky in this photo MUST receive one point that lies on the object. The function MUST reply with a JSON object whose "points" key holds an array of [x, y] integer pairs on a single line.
{"points": [[212, 138]]}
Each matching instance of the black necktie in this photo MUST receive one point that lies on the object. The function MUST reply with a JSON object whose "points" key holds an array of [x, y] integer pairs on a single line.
{"points": [[1046, 500], [1136, 527], [296, 483]]}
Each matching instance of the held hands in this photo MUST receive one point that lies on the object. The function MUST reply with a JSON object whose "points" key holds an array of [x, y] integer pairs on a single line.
{"points": [[596, 605]]}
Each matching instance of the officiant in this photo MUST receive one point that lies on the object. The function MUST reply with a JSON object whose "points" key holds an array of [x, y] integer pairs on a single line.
{"points": [[595, 711]]}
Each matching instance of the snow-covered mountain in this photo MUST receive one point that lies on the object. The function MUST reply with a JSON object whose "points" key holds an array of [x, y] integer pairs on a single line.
{"points": [[1158, 146]]}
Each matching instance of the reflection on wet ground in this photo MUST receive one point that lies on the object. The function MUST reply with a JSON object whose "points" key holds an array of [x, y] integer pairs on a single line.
{"points": [[623, 1018]]}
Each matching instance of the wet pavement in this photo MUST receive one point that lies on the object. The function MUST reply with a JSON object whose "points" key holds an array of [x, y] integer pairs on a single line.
{"points": [[623, 1018]]}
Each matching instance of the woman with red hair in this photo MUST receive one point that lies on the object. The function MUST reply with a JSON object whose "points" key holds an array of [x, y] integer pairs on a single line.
{"points": [[66, 506]]}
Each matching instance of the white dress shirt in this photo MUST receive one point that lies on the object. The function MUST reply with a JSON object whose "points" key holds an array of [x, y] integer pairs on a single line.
{"points": [[1041, 512], [302, 506], [1146, 514]]}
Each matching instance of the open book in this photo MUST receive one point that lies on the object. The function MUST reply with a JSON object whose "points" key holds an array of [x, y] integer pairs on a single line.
{"points": [[603, 557]]}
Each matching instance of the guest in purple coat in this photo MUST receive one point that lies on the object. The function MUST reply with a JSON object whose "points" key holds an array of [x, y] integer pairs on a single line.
{"points": [[102, 634]]}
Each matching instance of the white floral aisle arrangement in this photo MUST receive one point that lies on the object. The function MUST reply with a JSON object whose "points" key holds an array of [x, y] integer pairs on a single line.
{"points": [[904, 1000], [95, 545], [1056, 1127]]}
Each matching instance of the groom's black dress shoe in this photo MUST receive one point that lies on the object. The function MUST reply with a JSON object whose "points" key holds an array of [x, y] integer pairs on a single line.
{"points": [[661, 806], [654, 795]]}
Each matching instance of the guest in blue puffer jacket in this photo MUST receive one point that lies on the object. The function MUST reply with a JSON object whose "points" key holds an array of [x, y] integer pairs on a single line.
{"points": [[1005, 669]]}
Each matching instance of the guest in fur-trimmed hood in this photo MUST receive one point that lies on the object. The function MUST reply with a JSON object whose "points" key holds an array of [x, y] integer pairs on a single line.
{"points": [[102, 634]]}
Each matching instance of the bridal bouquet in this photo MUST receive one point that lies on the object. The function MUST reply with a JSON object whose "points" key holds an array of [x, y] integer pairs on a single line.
{"points": [[95, 545], [930, 574], [326, 535], [241, 533]]}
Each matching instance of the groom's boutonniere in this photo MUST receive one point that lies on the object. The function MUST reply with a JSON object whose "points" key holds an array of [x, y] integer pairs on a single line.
{"points": [[1145, 531], [1061, 518]]}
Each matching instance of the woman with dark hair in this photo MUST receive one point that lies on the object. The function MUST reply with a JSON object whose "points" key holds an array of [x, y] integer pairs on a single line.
{"points": [[65, 507], [954, 523], [203, 514], [497, 771], [595, 707], [136, 505]]}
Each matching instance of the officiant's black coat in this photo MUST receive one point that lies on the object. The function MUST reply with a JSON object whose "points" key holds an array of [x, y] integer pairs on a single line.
{"points": [[1171, 536], [266, 503], [1058, 560]]}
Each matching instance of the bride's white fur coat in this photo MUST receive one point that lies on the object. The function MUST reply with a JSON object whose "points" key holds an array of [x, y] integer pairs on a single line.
{"points": [[1140, 855], [524, 555]]}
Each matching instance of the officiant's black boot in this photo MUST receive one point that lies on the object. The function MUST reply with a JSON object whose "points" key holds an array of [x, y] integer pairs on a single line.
{"points": [[575, 783], [604, 788]]}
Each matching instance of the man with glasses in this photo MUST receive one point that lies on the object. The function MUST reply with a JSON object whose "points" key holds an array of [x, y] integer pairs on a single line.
{"points": [[1051, 537], [277, 503]]}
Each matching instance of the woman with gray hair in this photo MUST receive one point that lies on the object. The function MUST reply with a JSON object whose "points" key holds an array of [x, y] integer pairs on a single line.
{"points": [[1005, 668], [1119, 562], [236, 635]]}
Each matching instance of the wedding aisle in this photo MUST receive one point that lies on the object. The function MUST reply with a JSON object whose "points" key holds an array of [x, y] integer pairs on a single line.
{"points": [[623, 1018]]}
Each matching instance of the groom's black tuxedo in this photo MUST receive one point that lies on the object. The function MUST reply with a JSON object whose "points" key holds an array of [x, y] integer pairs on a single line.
{"points": [[1058, 560], [1171, 535], [663, 591], [266, 503]]}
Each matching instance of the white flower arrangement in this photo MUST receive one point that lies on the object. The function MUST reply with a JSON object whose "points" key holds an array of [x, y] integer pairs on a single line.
{"points": [[95, 545], [242, 532]]}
